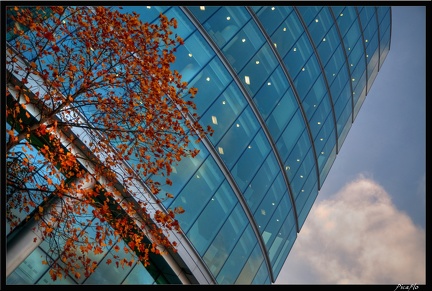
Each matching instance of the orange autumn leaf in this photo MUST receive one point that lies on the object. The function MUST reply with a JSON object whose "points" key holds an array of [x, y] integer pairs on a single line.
{"points": [[110, 77]]}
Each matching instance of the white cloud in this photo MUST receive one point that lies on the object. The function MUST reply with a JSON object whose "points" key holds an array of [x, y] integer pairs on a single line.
{"points": [[357, 236]]}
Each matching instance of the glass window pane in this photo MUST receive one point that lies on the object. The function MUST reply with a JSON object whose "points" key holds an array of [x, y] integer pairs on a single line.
{"points": [[250, 160], [238, 137]]}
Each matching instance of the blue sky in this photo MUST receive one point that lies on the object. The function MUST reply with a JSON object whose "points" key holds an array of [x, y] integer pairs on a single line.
{"points": [[367, 225]]}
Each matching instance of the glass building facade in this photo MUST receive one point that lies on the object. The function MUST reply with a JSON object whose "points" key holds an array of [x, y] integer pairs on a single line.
{"points": [[281, 87]]}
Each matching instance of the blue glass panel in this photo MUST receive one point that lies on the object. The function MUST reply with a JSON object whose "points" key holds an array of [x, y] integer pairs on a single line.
{"points": [[314, 98], [211, 81], [282, 114], [269, 94], [251, 267], [297, 57], [352, 37], [319, 25], [184, 25], [319, 118], [280, 258], [304, 193], [232, 268], [217, 211], [296, 155], [268, 206], [202, 13], [243, 46], [340, 87], [224, 111], [181, 173], [47, 280], [139, 275], [287, 34], [278, 229], [106, 273], [250, 160], [198, 192], [308, 13], [272, 16], [192, 56], [307, 76], [224, 242], [258, 69], [330, 149], [238, 137], [329, 50], [30, 270], [262, 276], [306, 166], [290, 135], [262, 181], [225, 23], [346, 18], [308, 205]]}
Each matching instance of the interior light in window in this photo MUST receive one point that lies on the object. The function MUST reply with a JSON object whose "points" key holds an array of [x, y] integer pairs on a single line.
{"points": [[214, 120], [202, 7], [284, 29], [341, 14], [366, 40], [277, 219], [351, 65], [302, 190], [273, 8], [190, 55], [249, 147], [298, 160], [353, 79], [208, 79], [257, 62], [321, 139], [349, 48], [228, 18], [223, 102], [367, 56], [316, 20], [220, 150], [314, 105], [275, 45], [198, 176], [334, 74], [148, 7], [247, 80], [273, 203], [295, 49], [287, 168], [269, 83], [243, 39], [303, 69], [301, 176], [322, 153], [319, 122], [263, 212], [238, 125], [324, 39]]}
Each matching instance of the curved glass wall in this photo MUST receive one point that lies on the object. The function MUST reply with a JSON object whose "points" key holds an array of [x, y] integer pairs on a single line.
{"points": [[280, 86]]}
